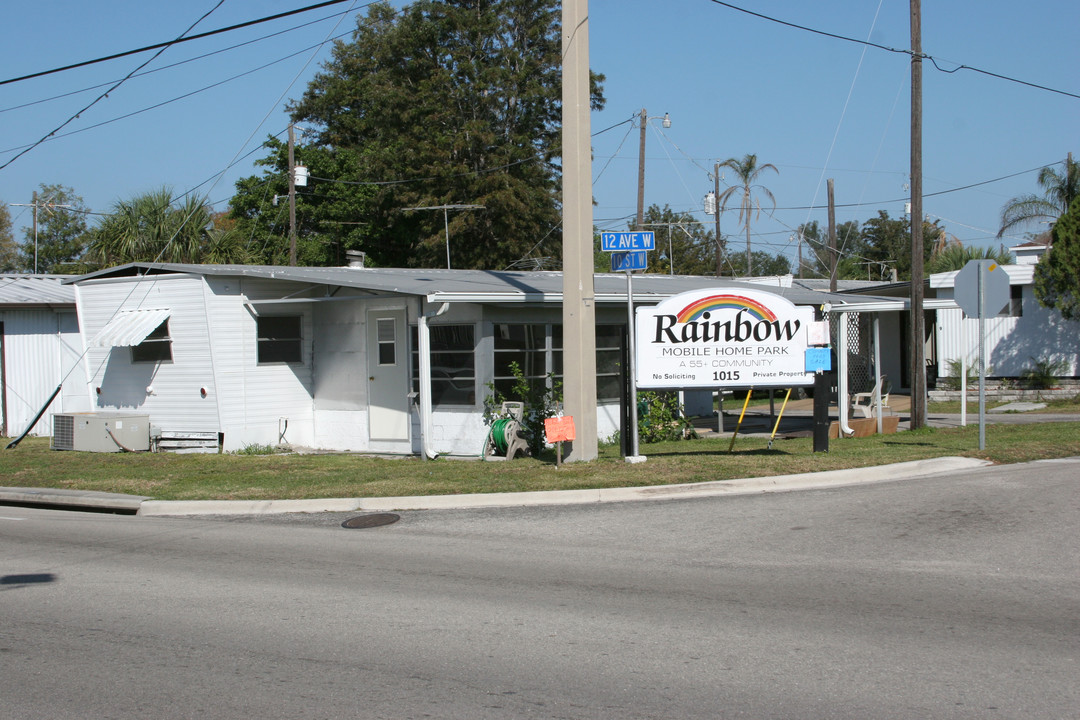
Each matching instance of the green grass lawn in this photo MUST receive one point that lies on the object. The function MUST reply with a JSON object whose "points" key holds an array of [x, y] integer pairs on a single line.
{"points": [[1054, 406], [167, 476]]}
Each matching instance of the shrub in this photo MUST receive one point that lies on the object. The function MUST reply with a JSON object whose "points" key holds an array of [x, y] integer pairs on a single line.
{"points": [[258, 449], [659, 418], [951, 381], [1042, 374]]}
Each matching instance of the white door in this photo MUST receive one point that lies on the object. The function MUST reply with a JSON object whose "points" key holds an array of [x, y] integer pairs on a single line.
{"points": [[388, 375]]}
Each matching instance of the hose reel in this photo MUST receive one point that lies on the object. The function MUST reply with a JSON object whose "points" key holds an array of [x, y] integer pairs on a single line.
{"points": [[506, 438]]}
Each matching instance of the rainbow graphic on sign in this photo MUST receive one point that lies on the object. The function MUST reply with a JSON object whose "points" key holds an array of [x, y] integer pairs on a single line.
{"points": [[713, 303]]}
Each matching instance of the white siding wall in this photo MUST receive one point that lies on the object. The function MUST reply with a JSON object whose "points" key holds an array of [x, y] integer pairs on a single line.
{"points": [[176, 402], [256, 400], [1011, 342], [41, 348]]}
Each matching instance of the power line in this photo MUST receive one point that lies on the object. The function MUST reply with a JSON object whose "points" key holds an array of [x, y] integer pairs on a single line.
{"points": [[183, 62], [105, 94], [177, 41], [54, 136], [886, 48]]}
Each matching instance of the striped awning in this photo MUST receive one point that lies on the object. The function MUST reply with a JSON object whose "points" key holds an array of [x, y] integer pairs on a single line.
{"points": [[130, 327]]}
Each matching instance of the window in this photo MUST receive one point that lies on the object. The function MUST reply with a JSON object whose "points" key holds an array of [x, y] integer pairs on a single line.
{"points": [[538, 351], [156, 347], [1016, 301], [453, 364], [609, 362], [279, 339], [386, 336]]}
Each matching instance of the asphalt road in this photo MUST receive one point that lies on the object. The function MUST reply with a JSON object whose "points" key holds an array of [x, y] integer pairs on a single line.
{"points": [[952, 597]]}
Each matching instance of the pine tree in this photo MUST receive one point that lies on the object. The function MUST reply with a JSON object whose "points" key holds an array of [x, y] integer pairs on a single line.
{"points": [[1057, 275], [449, 102]]}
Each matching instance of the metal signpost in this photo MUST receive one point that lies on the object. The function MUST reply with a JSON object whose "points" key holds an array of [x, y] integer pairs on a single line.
{"points": [[981, 289], [629, 252]]}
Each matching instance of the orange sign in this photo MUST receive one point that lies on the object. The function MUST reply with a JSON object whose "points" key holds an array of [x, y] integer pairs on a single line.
{"points": [[558, 429]]}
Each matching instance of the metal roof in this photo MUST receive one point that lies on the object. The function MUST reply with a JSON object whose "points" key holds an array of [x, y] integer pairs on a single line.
{"points": [[129, 327], [481, 286], [35, 291]]}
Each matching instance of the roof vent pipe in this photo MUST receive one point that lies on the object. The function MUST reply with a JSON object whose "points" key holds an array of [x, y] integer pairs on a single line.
{"points": [[355, 258]]}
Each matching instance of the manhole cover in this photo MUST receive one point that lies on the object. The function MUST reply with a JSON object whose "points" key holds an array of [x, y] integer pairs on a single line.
{"points": [[370, 521]]}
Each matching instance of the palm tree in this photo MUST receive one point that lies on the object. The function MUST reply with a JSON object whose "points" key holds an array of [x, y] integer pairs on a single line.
{"points": [[954, 256], [1059, 190], [746, 171], [149, 227]]}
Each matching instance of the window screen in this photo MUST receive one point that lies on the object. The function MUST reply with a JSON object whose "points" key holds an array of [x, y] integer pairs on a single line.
{"points": [[279, 339], [453, 364], [157, 347]]}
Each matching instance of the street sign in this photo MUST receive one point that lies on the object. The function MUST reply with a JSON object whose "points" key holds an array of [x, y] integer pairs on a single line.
{"points": [[614, 241], [981, 290], [636, 260], [994, 282]]}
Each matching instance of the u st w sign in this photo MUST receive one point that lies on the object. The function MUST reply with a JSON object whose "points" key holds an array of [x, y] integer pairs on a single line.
{"points": [[722, 337]]}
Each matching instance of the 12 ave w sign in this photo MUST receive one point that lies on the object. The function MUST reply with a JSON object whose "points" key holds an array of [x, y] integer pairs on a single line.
{"points": [[722, 337]]}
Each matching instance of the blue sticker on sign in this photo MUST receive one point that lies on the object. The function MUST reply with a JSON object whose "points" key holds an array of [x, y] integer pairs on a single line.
{"points": [[818, 360]]}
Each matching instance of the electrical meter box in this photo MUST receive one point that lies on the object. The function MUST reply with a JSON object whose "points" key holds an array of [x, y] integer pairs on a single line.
{"points": [[101, 432]]}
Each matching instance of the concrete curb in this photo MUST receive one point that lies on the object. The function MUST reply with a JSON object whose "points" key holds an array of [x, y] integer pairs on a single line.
{"points": [[88, 499], [779, 483]]}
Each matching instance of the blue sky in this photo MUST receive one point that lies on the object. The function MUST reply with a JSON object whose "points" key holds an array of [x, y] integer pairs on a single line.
{"points": [[815, 107]]}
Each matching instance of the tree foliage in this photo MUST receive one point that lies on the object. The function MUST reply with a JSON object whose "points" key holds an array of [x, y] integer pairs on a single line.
{"points": [[9, 251], [61, 231], [816, 253], [330, 216], [1057, 275], [692, 248], [954, 256], [763, 263], [438, 103], [1060, 188], [152, 227]]}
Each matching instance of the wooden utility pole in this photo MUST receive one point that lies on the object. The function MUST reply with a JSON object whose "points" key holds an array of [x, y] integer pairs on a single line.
{"points": [[834, 257], [292, 197], [719, 241], [918, 322], [641, 174]]}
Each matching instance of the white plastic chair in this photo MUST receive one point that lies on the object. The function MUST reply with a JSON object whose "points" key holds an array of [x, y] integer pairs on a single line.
{"points": [[863, 402]]}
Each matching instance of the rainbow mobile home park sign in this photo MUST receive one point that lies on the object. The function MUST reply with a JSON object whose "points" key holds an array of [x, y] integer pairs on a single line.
{"points": [[722, 337]]}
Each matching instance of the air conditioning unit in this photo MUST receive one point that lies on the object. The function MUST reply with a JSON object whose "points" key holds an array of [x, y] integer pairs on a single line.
{"points": [[101, 432]]}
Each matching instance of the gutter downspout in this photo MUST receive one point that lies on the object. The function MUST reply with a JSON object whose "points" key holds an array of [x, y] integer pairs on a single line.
{"points": [[424, 351], [842, 378]]}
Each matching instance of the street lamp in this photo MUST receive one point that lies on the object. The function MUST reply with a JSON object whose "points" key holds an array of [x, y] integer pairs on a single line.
{"points": [[641, 164]]}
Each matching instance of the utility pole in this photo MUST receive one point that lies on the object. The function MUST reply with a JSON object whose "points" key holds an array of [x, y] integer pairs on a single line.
{"points": [[45, 204], [579, 296], [292, 197], [34, 201], [918, 333], [719, 242], [641, 173], [641, 167], [834, 258]]}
